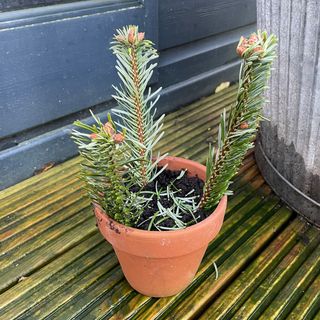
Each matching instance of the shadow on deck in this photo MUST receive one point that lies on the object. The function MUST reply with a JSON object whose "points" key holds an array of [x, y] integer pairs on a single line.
{"points": [[55, 265]]}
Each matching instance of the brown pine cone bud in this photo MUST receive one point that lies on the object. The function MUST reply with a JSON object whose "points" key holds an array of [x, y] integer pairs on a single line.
{"points": [[118, 138], [244, 125], [108, 129], [253, 39], [93, 136], [132, 35], [241, 50], [140, 36], [242, 46]]}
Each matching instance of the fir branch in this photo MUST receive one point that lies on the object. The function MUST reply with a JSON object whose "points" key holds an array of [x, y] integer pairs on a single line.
{"points": [[236, 137], [103, 167], [134, 55]]}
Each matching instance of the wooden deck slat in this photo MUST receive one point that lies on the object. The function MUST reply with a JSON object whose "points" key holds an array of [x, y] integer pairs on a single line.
{"points": [[200, 113], [71, 202], [46, 282], [39, 182], [73, 191], [55, 264], [210, 100], [59, 219], [286, 247], [293, 290], [47, 190], [34, 244], [189, 140], [48, 251], [91, 295], [85, 291], [268, 290], [194, 127], [122, 297], [309, 303]]}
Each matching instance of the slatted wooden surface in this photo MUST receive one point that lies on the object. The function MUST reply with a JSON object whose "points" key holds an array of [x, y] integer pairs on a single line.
{"points": [[55, 265]]}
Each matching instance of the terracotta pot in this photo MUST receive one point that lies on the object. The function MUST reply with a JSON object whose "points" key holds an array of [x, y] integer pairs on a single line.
{"points": [[162, 263]]}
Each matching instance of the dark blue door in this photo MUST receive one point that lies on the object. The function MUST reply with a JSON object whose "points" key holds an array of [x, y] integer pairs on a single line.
{"points": [[55, 65], [54, 60]]}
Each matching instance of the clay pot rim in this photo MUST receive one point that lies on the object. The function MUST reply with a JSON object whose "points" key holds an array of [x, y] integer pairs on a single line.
{"points": [[161, 234]]}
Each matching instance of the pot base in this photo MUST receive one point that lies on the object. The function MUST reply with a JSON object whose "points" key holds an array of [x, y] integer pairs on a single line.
{"points": [[156, 277]]}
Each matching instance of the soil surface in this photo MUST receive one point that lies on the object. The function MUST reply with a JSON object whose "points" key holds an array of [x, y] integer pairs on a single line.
{"points": [[184, 185]]}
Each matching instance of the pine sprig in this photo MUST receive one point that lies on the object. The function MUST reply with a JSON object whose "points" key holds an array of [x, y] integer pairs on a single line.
{"points": [[134, 56], [103, 167], [236, 136]]}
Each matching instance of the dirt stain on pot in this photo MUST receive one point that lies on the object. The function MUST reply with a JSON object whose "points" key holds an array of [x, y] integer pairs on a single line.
{"points": [[98, 221], [113, 227]]}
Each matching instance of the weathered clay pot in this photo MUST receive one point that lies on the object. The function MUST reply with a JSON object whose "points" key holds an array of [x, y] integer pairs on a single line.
{"points": [[162, 263]]}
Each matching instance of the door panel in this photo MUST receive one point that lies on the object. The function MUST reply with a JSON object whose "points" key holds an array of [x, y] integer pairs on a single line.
{"points": [[56, 60], [185, 21]]}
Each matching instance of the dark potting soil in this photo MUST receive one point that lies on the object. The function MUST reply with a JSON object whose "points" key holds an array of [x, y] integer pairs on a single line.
{"points": [[184, 185]]}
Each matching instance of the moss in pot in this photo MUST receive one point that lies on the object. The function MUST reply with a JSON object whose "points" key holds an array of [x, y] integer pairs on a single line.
{"points": [[160, 212]]}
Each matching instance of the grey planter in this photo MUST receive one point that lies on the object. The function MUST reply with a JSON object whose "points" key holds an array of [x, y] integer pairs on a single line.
{"points": [[288, 151]]}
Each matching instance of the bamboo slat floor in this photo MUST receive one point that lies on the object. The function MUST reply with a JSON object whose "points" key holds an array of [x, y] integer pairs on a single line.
{"points": [[55, 265]]}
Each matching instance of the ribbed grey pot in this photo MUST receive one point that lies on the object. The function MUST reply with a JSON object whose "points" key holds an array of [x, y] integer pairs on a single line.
{"points": [[288, 150]]}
